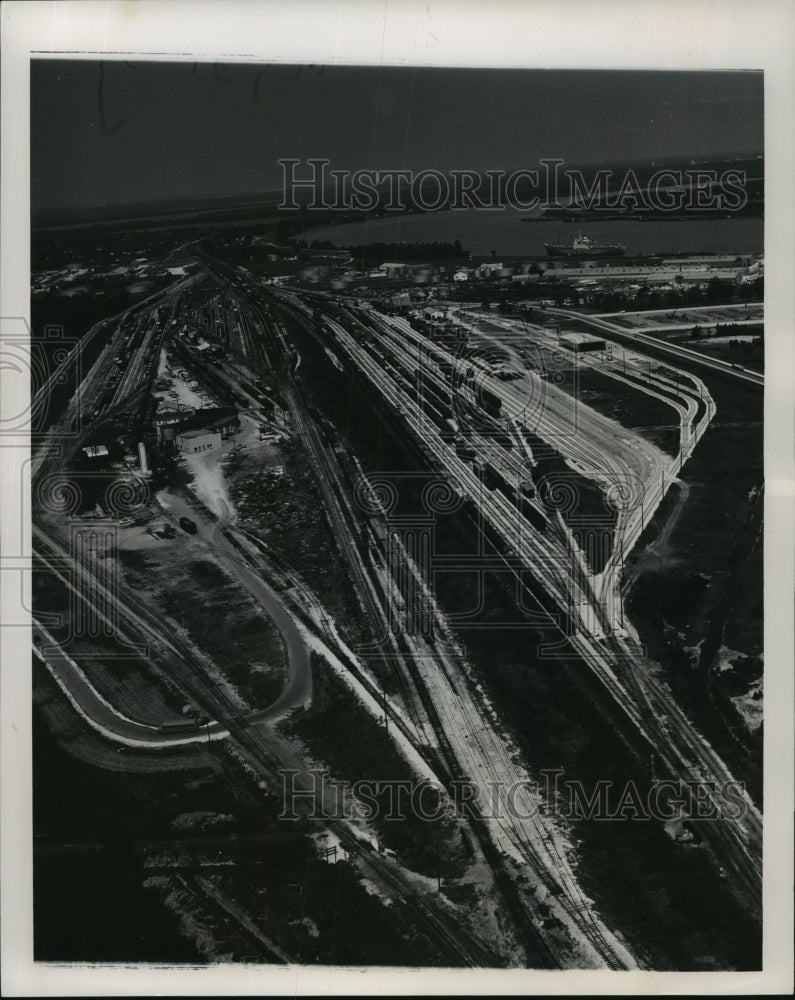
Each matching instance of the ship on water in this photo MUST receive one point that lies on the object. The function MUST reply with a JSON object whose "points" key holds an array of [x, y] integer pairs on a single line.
{"points": [[584, 246]]}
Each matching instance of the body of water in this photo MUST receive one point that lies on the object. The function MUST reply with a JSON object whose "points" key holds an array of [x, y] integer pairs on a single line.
{"points": [[480, 232]]}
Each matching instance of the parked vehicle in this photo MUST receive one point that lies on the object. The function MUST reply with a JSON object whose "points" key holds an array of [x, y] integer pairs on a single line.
{"points": [[179, 726]]}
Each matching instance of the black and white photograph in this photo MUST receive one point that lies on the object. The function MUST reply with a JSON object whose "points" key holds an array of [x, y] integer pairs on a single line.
{"points": [[396, 492]]}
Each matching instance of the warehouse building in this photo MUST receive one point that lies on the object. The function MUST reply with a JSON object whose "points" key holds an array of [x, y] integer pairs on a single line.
{"points": [[581, 342], [223, 419], [191, 442]]}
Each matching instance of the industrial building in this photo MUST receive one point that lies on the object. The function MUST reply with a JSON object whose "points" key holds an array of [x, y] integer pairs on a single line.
{"points": [[221, 419], [175, 424], [581, 342], [191, 442], [167, 420]]}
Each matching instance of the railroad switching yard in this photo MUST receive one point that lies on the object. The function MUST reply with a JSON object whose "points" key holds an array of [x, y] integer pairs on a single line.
{"points": [[309, 537]]}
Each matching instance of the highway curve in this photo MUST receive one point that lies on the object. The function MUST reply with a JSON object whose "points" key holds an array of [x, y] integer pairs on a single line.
{"points": [[99, 713], [298, 688]]}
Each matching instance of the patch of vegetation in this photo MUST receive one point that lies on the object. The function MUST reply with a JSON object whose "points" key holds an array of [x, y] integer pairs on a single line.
{"points": [[628, 406], [127, 679], [341, 733], [92, 904], [95, 909], [719, 528], [671, 595], [286, 511], [237, 634], [745, 353], [320, 913], [368, 254], [208, 573], [741, 674], [672, 900]]}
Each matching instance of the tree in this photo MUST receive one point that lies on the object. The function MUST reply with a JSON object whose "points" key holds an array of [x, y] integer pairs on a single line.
{"points": [[719, 290]]}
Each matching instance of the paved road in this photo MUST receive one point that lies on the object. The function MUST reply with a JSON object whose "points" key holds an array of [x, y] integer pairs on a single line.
{"points": [[102, 716], [99, 713], [677, 352], [217, 535]]}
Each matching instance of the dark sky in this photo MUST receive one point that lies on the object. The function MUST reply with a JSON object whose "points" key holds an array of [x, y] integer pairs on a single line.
{"points": [[117, 132]]}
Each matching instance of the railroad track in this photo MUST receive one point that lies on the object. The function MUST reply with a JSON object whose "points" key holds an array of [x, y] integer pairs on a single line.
{"points": [[625, 687], [577, 907], [538, 952], [632, 698], [454, 941]]}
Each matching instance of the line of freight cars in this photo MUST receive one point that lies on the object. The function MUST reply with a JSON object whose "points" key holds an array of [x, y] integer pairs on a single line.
{"points": [[439, 406], [521, 494]]}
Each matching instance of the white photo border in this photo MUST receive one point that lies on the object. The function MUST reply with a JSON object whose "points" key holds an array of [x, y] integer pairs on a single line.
{"points": [[608, 34]]}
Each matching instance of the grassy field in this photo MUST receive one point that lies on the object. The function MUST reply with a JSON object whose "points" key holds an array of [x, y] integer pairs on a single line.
{"points": [[632, 408], [221, 618], [339, 732], [707, 586], [746, 353], [122, 675]]}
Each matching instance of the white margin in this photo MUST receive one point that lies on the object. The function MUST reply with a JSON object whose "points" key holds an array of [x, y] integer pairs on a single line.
{"points": [[660, 34]]}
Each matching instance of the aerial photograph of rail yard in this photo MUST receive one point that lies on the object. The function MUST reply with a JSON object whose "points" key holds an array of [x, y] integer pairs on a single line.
{"points": [[397, 516]]}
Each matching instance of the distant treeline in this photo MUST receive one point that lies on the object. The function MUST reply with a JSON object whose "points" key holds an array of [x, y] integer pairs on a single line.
{"points": [[717, 292], [738, 329]]}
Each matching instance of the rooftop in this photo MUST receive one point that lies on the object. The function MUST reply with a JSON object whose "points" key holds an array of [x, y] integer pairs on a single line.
{"points": [[580, 338], [209, 418], [197, 432]]}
